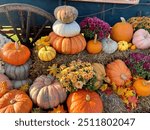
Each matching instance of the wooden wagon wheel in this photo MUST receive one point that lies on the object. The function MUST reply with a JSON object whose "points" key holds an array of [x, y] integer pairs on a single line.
{"points": [[25, 12]]}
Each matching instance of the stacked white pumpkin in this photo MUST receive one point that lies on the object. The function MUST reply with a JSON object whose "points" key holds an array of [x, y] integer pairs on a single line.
{"points": [[18, 74], [65, 25], [66, 37]]}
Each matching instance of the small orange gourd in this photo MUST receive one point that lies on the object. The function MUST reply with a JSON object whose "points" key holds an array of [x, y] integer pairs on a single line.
{"points": [[142, 87], [94, 46]]}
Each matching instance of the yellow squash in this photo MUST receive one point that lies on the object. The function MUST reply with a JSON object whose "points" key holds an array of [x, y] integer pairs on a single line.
{"points": [[123, 45], [47, 53]]}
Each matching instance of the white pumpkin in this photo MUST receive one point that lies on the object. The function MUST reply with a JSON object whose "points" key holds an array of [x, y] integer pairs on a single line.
{"points": [[109, 45], [3, 40], [66, 30], [18, 72], [141, 39], [19, 83]]}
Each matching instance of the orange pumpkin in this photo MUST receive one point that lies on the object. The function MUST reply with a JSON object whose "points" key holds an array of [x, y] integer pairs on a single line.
{"points": [[118, 72], [94, 46], [15, 101], [15, 54], [122, 31], [70, 45], [142, 87], [84, 101], [3, 88]]}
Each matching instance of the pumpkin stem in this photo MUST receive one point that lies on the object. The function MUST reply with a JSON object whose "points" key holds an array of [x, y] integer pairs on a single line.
{"points": [[123, 19], [95, 38], [17, 45], [88, 98], [45, 48], [123, 76], [12, 101], [146, 82]]}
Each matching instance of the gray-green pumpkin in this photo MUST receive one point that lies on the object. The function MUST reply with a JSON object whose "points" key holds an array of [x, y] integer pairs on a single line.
{"points": [[109, 45], [3, 40], [18, 72], [19, 83]]}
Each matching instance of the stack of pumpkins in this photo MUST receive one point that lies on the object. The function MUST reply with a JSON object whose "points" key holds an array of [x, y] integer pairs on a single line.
{"points": [[17, 63], [66, 37]]}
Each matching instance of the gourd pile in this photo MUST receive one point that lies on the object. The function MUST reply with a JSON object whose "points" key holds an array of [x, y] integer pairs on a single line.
{"points": [[86, 68]]}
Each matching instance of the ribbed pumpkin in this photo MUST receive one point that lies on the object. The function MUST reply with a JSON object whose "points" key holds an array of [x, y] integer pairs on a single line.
{"points": [[18, 72], [94, 46], [15, 54], [142, 87], [72, 45], [66, 14], [47, 53], [19, 83], [47, 92], [84, 101], [100, 71], [15, 101], [141, 39], [109, 45], [118, 72], [3, 88], [66, 30], [122, 31], [4, 78]]}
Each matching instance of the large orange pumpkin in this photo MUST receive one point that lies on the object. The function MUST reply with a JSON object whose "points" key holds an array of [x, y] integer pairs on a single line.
{"points": [[118, 72], [70, 45], [15, 54], [84, 101], [15, 101], [122, 31], [142, 87]]}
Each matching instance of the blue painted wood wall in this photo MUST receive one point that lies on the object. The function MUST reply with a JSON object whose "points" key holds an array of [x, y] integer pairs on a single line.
{"points": [[93, 9]]}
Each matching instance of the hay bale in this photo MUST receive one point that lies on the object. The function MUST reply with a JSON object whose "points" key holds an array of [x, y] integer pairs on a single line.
{"points": [[112, 103], [39, 67]]}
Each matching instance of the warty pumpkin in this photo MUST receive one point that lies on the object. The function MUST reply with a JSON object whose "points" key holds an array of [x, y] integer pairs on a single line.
{"points": [[84, 101], [118, 72], [123, 45], [66, 30], [141, 39], [47, 92], [142, 87], [47, 53], [18, 72], [15, 101], [66, 14], [4, 78], [122, 31], [109, 45], [72, 45], [15, 54], [94, 46]]}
